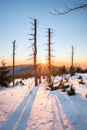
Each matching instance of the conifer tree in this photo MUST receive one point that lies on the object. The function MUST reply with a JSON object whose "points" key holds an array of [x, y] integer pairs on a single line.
{"points": [[5, 77]]}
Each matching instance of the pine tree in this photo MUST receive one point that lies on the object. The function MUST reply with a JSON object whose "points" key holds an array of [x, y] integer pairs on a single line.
{"points": [[5, 77]]}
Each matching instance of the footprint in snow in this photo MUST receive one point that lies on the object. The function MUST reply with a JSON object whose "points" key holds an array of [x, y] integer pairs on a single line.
{"points": [[50, 121], [42, 123]]}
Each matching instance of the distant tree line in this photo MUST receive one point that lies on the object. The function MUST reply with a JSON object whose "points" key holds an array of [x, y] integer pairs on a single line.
{"points": [[6, 76]]}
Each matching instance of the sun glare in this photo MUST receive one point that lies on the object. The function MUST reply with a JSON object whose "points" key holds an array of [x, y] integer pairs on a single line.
{"points": [[43, 62]]}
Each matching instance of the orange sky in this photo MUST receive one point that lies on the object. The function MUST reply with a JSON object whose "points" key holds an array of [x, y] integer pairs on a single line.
{"points": [[66, 63]]}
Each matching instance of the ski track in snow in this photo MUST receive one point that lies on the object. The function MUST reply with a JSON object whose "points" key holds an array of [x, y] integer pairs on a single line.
{"points": [[34, 108], [17, 120]]}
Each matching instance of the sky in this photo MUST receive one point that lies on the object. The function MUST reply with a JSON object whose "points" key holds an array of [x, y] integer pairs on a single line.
{"points": [[16, 18]]}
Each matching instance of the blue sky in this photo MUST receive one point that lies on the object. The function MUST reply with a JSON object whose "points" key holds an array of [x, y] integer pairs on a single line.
{"points": [[15, 23]]}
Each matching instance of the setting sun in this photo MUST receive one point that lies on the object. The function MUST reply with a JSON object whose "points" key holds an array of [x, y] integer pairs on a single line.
{"points": [[43, 62]]}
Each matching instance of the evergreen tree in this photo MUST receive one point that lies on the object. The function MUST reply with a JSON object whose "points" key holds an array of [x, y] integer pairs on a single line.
{"points": [[5, 78], [62, 70], [72, 70], [78, 69]]}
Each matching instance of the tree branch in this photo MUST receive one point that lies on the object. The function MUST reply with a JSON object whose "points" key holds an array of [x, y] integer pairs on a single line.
{"points": [[79, 7]]}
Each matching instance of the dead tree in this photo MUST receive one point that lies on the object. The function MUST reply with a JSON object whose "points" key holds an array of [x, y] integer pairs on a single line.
{"points": [[50, 56], [72, 56], [72, 69], [34, 48], [13, 61], [35, 51]]}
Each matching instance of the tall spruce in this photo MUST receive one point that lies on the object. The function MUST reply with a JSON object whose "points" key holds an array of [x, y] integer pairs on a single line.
{"points": [[5, 77]]}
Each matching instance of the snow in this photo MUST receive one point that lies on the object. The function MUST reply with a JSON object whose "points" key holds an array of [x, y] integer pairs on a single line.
{"points": [[29, 107]]}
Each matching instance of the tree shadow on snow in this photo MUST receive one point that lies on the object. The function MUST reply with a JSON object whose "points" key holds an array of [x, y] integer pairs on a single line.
{"points": [[67, 114], [18, 120], [59, 117], [75, 109]]}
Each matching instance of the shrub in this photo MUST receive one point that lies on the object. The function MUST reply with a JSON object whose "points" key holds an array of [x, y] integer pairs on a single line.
{"points": [[63, 90], [71, 91], [21, 82], [81, 81], [80, 77]]}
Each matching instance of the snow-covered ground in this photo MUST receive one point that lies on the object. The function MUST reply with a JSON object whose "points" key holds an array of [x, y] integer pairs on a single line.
{"points": [[34, 108]]}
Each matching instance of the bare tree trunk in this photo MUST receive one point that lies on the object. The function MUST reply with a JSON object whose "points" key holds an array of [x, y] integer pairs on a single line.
{"points": [[72, 69], [49, 54], [34, 48], [13, 61], [35, 52]]}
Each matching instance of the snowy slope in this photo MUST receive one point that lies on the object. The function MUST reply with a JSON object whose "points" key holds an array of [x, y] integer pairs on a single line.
{"points": [[35, 108]]}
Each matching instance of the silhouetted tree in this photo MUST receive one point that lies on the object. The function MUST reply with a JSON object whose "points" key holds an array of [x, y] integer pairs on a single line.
{"points": [[78, 70], [72, 70], [55, 71], [63, 69], [5, 77], [85, 70]]}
